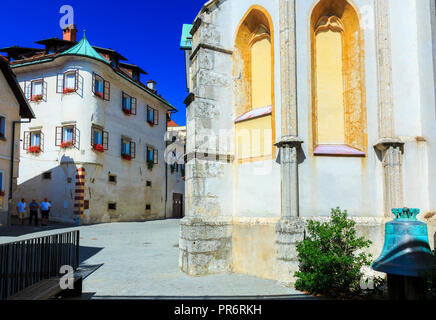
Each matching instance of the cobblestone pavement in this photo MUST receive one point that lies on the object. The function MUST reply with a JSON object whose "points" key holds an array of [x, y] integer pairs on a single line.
{"points": [[140, 259]]}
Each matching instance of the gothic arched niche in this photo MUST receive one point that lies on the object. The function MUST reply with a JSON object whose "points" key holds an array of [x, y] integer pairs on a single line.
{"points": [[253, 85], [338, 81]]}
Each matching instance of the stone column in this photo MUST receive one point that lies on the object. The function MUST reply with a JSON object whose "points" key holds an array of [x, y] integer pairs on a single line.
{"points": [[205, 244], [390, 148], [391, 153], [290, 228]]}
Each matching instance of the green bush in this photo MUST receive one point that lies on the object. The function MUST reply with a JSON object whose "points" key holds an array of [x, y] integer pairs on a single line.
{"points": [[331, 258]]}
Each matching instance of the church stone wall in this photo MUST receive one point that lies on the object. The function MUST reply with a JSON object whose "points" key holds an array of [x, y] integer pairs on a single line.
{"points": [[224, 229]]}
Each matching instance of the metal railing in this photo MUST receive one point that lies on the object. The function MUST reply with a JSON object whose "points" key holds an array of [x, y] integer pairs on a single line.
{"points": [[24, 263]]}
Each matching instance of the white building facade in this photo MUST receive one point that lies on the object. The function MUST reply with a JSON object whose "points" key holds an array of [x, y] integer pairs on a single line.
{"points": [[96, 148], [176, 140]]}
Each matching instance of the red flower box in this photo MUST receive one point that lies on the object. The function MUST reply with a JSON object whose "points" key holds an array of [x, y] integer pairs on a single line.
{"points": [[126, 111], [66, 144], [2, 193], [99, 94], [37, 98], [69, 90], [98, 147], [126, 156], [34, 149]]}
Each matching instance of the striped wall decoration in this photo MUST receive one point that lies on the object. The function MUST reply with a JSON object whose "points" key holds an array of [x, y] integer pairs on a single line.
{"points": [[79, 193]]}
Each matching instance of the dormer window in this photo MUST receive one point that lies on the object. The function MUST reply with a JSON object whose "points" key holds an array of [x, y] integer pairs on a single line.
{"points": [[100, 87]]}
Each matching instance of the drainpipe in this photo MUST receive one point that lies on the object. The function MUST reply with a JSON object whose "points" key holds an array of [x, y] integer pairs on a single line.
{"points": [[12, 164], [166, 167]]}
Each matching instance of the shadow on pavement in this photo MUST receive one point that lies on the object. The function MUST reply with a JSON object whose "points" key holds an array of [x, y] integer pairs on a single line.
{"points": [[87, 252], [17, 230]]}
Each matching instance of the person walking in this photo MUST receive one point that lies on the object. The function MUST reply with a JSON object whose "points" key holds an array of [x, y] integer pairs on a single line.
{"points": [[45, 209], [33, 208], [21, 210]]}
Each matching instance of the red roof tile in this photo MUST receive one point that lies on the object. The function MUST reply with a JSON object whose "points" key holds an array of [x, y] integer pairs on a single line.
{"points": [[171, 123]]}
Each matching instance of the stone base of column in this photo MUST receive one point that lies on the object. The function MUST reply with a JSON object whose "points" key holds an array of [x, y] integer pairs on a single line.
{"points": [[289, 230], [205, 245]]}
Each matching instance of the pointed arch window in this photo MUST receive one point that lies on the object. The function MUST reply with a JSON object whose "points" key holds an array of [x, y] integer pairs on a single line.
{"points": [[253, 70], [338, 86]]}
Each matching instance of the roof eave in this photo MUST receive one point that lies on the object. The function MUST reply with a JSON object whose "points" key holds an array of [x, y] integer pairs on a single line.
{"points": [[25, 109], [106, 63]]}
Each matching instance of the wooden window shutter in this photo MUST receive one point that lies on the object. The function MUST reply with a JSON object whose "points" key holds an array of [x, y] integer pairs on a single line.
{"points": [[58, 139], [76, 84], [148, 112], [133, 106], [107, 90], [26, 91], [155, 156], [31, 90], [105, 140], [60, 83], [92, 135], [93, 82], [75, 141], [123, 104], [41, 141], [156, 116], [133, 149], [44, 90], [26, 141]]}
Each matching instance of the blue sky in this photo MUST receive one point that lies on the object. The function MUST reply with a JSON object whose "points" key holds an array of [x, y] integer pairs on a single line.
{"points": [[145, 32]]}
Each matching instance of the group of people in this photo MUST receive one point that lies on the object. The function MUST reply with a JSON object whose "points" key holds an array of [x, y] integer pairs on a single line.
{"points": [[44, 207]]}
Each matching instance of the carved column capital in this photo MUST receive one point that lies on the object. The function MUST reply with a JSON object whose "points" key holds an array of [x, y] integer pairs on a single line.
{"points": [[384, 144], [289, 141]]}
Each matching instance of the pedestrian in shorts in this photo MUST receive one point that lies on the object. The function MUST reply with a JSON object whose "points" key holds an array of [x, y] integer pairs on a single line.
{"points": [[21, 210], [45, 209]]}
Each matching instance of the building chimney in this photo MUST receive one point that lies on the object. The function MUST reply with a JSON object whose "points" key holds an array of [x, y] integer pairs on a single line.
{"points": [[70, 33], [151, 85]]}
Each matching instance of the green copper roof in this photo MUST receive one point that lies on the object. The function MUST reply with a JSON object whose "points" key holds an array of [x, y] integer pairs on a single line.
{"points": [[83, 48], [186, 41]]}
